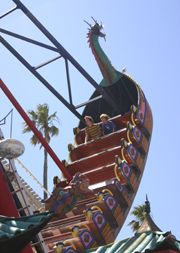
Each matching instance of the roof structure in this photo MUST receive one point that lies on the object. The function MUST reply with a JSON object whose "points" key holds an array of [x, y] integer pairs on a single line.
{"points": [[16, 233], [148, 224], [148, 238], [142, 242]]}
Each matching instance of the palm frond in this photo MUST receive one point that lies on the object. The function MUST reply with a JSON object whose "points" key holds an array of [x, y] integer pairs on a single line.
{"points": [[34, 140], [134, 225], [54, 131], [53, 117], [33, 115], [26, 128], [42, 112], [139, 213]]}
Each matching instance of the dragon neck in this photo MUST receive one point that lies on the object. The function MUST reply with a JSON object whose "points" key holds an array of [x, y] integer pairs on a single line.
{"points": [[109, 73]]}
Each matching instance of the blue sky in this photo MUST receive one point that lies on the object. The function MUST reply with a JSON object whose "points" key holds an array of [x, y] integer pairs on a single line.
{"points": [[142, 36]]}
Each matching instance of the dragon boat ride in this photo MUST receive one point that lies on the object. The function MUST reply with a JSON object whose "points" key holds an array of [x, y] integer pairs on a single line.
{"points": [[87, 209], [113, 164]]}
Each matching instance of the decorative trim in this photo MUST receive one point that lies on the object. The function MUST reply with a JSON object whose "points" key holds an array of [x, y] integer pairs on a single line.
{"points": [[69, 250], [138, 136], [119, 186], [99, 220], [127, 171], [133, 153], [86, 238], [110, 202], [142, 108]]}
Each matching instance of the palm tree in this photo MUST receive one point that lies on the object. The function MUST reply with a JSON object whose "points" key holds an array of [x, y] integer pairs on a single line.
{"points": [[139, 213], [44, 123]]}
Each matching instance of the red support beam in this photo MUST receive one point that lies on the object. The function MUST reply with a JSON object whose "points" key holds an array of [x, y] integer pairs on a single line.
{"points": [[7, 204], [34, 129]]}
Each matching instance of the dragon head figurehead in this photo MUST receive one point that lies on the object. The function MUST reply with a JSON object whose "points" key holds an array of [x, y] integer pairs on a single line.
{"points": [[96, 28], [63, 200], [80, 184]]}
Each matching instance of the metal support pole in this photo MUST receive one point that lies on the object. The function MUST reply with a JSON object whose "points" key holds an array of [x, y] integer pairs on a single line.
{"points": [[8, 12], [34, 42], [89, 101], [68, 81], [34, 129], [47, 62]]}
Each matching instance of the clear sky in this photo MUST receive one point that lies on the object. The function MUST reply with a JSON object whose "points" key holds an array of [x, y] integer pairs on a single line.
{"points": [[142, 36]]}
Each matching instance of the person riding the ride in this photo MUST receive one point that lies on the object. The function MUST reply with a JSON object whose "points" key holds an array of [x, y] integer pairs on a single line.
{"points": [[108, 126], [93, 130]]}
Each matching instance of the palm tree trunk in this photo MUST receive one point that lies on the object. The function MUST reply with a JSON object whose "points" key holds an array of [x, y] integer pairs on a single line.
{"points": [[45, 173]]}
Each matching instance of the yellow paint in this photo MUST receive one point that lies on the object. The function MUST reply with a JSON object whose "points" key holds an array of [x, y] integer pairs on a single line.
{"points": [[122, 153], [84, 225], [88, 214], [58, 249], [116, 174], [107, 190], [72, 244], [98, 208], [100, 198], [75, 231]]}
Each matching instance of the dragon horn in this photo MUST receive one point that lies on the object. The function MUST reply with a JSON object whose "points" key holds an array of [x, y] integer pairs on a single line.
{"points": [[87, 23], [94, 20]]}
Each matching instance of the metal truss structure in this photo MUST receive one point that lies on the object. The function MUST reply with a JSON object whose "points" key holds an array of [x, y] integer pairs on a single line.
{"points": [[62, 53]]}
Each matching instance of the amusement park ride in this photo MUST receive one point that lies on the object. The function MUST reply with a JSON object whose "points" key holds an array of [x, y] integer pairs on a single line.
{"points": [[88, 208]]}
